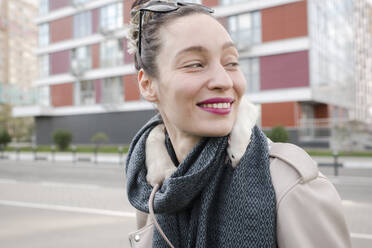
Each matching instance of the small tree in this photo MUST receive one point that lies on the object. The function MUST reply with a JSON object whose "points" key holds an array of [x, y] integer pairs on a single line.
{"points": [[98, 139], [62, 139], [4, 138], [278, 134]]}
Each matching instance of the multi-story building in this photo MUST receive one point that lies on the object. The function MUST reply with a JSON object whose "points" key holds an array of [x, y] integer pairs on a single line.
{"points": [[297, 56], [363, 60], [18, 41]]}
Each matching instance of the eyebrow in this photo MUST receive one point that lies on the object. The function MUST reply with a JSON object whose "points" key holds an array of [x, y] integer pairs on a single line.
{"points": [[228, 45], [201, 49], [198, 49]]}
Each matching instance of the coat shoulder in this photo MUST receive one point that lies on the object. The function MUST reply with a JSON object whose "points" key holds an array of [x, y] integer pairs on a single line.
{"points": [[296, 158]]}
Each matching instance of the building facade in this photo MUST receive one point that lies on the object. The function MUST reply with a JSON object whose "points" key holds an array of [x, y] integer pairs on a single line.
{"points": [[18, 41], [295, 55], [363, 60]]}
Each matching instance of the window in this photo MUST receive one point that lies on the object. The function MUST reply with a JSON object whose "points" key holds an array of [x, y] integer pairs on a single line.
{"points": [[87, 93], [82, 56], [251, 70], [82, 24], [112, 90], [111, 16], [43, 95], [77, 2], [111, 53], [245, 29], [43, 34], [44, 7], [44, 65]]}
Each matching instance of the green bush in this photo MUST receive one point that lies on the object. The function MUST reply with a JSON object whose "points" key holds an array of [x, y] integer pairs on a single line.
{"points": [[98, 139], [62, 139], [4, 138], [278, 134]]}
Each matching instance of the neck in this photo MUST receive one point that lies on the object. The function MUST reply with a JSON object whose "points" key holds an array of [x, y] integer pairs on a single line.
{"points": [[182, 142]]}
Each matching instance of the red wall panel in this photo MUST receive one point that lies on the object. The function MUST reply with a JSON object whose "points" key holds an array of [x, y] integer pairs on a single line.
{"points": [[131, 87], [126, 11], [283, 113], [95, 20], [95, 56], [61, 29], [98, 89], [284, 70], [210, 3], [62, 94], [286, 21], [57, 4], [60, 62]]}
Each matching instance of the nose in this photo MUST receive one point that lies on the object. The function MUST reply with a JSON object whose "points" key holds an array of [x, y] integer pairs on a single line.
{"points": [[220, 78]]}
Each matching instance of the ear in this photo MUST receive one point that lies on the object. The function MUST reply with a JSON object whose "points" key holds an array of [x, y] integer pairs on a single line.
{"points": [[147, 86]]}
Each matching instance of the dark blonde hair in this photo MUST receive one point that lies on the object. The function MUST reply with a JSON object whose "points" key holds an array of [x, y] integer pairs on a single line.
{"points": [[150, 40]]}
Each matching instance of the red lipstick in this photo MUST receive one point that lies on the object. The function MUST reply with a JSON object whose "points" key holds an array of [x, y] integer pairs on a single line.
{"points": [[219, 106]]}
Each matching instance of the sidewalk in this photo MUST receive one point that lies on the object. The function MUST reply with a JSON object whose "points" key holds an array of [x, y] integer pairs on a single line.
{"points": [[65, 157], [347, 162]]}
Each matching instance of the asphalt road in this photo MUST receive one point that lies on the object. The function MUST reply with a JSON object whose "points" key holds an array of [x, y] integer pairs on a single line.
{"points": [[44, 204]]}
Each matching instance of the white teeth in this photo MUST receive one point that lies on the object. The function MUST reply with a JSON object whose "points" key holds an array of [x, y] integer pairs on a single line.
{"points": [[216, 105]]}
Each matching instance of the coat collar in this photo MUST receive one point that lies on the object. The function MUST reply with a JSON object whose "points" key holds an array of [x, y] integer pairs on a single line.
{"points": [[159, 164]]}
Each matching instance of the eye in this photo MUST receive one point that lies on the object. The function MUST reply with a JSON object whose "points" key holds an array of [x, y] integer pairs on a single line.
{"points": [[194, 65], [232, 65]]}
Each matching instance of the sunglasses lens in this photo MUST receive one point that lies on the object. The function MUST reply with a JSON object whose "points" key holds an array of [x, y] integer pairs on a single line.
{"points": [[161, 8]]}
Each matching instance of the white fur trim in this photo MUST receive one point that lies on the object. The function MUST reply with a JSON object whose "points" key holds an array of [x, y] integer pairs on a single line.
{"points": [[241, 133], [159, 164]]}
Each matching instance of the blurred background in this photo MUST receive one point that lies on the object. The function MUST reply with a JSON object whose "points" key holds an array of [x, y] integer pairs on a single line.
{"points": [[68, 93]]}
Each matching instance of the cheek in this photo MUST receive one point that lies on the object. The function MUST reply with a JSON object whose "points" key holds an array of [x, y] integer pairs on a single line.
{"points": [[240, 84]]}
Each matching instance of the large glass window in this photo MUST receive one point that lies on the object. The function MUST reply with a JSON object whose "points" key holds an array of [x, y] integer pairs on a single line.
{"points": [[245, 29], [44, 65], [82, 24], [251, 70], [87, 93], [80, 1], [43, 95], [111, 16], [82, 56], [44, 7], [43, 34], [112, 90], [111, 53]]}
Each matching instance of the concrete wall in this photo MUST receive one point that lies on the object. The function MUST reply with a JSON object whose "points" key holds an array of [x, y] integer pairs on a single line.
{"points": [[120, 127]]}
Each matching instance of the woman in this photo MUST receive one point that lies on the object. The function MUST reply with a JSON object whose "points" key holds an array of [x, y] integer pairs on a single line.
{"points": [[204, 149]]}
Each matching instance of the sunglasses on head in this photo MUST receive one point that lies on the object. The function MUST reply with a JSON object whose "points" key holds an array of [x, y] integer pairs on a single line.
{"points": [[160, 7]]}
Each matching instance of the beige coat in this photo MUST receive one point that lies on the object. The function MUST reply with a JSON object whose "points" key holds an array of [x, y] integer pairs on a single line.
{"points": [[309, 209]]}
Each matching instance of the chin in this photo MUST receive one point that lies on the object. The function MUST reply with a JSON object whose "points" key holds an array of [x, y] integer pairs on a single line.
{"points": [[217, 131]]}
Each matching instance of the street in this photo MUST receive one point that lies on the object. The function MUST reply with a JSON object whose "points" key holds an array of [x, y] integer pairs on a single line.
{"points": [[61, 204]]}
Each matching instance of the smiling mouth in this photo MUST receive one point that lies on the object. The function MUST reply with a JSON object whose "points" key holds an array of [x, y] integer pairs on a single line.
{"points": [[216, 105], [219, 106]]}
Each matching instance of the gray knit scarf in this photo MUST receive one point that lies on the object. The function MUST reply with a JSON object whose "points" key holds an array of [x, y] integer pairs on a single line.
{"points": [[207, 202]]}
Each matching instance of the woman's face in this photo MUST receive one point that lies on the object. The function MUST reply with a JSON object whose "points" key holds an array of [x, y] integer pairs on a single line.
{"points": [[199, 86]]}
